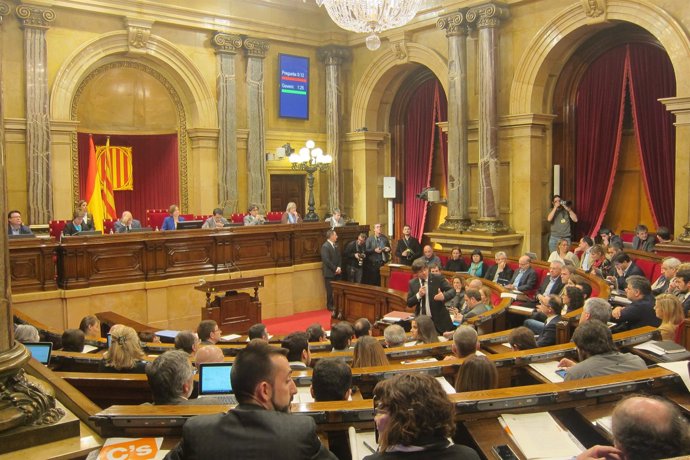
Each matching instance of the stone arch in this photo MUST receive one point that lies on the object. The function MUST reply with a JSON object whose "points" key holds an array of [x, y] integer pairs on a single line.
{"points": [[380, 81], [160, 54], [549, 50]]}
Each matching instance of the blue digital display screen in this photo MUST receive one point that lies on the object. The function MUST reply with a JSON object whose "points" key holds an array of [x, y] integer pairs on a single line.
{"points": [[294, 86]]}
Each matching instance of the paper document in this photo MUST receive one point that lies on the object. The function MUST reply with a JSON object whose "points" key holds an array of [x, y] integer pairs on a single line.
{"points": [[552, 440], [521, 309], [446, 385], [140, 448], [680, 368], [230, 337], [362, 444], [549, 370], [89, 349], [620, 300], [508, 295], [605, 424]]}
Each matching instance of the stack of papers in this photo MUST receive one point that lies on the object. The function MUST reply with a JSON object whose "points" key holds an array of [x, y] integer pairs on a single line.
{"points": [[396, 316], [605, 424], [620, 300], [549, 370], [229, 337], [660, 347], [446, 385], [552, 441]]}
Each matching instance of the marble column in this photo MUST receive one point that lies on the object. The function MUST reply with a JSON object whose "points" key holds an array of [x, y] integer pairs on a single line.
{"points": [[35, 21], [680, 107], [333, 56], [226, 46], [256, 153], [25, 401], [488, 18], [456, 31]]}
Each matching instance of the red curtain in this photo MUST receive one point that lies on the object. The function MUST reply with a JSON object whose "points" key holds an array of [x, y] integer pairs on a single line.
{"points": [[600, 104], [155, 171], [652, 77], [424, 110]]}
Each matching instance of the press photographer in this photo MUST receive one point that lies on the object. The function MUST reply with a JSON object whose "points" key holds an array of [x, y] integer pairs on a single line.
{"points": [[561, 218], [355, 253]]}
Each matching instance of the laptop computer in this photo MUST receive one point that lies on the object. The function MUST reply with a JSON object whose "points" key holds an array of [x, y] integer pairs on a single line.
{"points": [[214, 381], [40, 351]]}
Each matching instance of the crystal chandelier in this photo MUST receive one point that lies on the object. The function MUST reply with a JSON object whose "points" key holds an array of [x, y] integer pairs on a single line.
{"points": [[371, 16]]}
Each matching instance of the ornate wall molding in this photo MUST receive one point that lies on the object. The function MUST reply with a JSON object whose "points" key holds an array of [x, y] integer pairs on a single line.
{"points": [[489, 15], [594, 8], [454, 24], [333, 54], [35, 16], [139, 32], [226, 43], [4, 10], [254, 47], [181, 115]]}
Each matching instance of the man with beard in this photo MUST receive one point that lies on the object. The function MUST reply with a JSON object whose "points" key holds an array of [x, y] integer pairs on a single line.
{"points": [[260, 426]]}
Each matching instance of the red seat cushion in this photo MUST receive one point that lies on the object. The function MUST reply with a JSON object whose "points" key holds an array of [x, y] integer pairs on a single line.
{"points": [[55, 227], [648, 267], [399, 280], [109, 226], [627, 236], [155, 217], [237, 218]]}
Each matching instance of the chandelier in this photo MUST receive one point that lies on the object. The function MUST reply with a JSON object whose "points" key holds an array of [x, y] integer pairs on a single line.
{"points": [[371, 16]]}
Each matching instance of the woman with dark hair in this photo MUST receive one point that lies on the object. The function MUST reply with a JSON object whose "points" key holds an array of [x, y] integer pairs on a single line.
{"points": [[477, 267], [91, 327], [423, 330], [476, 373], [170, 222], [415, 420], [459, 299], [455, 263], [572, 298], [368, 352]]}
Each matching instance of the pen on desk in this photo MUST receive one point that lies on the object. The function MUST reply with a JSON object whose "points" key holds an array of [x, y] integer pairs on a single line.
{"points": [[368, 446]]}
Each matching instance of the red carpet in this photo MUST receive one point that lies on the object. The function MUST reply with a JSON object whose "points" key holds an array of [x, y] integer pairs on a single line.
{"points": [[298, 322]]}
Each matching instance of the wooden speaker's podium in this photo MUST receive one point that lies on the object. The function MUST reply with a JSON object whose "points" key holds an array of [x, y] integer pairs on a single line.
{"points": [[235, 312]]}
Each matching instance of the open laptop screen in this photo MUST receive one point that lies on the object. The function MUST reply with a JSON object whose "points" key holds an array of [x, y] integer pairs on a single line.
{"points": [[214, 379], [40, 351]]}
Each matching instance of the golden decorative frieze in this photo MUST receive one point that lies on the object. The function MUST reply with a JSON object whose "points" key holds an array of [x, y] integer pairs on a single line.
{"points": [[594, 8], [226, 43], [35, 16], [333, 55], [255, 47], [488, 15], [138, 32], [453, 24]]}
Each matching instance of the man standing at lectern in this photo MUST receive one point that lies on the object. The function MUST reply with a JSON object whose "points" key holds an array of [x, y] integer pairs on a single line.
{"points": [[330, 265], [429, 293]]}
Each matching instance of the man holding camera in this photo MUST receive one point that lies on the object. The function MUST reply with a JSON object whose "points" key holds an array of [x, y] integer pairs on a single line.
{"points": [[355, 253], [560, 217]]}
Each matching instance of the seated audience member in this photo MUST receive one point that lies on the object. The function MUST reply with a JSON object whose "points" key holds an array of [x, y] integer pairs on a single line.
{"points": [[465, 342], [434, 268], [126, 223], [408, 248], [73, 340], [572, 299], [642, 241], [423, 330], [368, 352], [341, 335], [607, 237], [258, 331], [148, 337], [422, 433], [125, 353], [394, 336], [663, 235], [584, 286], [500, 273], [641, 311], [456, 263], [597, 354], [458, 300], [297, 345], [552, 309], [362, 327], [624, 267], [208, 354], [584, 249], [521, 338], [428, 256], [477, 267], [597, 257], [208, 332], [670, 311], [336, 219], [669, 268], [76, 225], [253, 217], [171, 379], [15, 225], [563, 253], [331, 380], [525, 278], [682, 286], [170, 222], [187, 342], [485, 293], [291, 216], [260, 426], [216, 220], [552, 284], [473, 307], [596, 308], [91, 327], [316, 333], [26, 333], [476, 373]]}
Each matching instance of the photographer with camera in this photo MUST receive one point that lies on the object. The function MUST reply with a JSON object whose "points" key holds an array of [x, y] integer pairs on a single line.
{"points": [[355, 253], [408, 248], [560, 217]]}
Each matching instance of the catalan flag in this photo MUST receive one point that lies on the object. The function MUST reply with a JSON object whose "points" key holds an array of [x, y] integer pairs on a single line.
{"points": [[94, 198], [108, 197]]}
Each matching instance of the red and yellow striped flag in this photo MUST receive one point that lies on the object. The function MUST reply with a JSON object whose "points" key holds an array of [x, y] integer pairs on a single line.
{"points": [[94, 198], [108, 196]]}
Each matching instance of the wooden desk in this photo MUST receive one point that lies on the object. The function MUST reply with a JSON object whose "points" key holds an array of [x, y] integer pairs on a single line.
{"points": [[234, 312], [32, 264]]}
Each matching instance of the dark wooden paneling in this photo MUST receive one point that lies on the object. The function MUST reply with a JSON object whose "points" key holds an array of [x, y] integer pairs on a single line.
{"points": [[32, 264]]}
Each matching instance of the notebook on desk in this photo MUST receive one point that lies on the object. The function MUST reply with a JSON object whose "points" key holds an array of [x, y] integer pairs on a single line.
{"points": [[214, 381], [40, 351]]}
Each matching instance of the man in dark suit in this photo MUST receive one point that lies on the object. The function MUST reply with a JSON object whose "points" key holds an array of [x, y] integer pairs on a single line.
{"points": [[126, 223], [330, 266], [682, 284], [171, 379], [260, 426], [429, 293], [551, 308], [624, 267], [15, 226], [355, 253], [525, 278], [408, 248], [501, 272], [641, 311], [378, 253]]}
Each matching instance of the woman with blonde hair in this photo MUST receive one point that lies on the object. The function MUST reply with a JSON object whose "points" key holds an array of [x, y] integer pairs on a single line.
{"points": [[368, 352], [125, 353], [291, 216], [424, 330], [670, 310]]}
